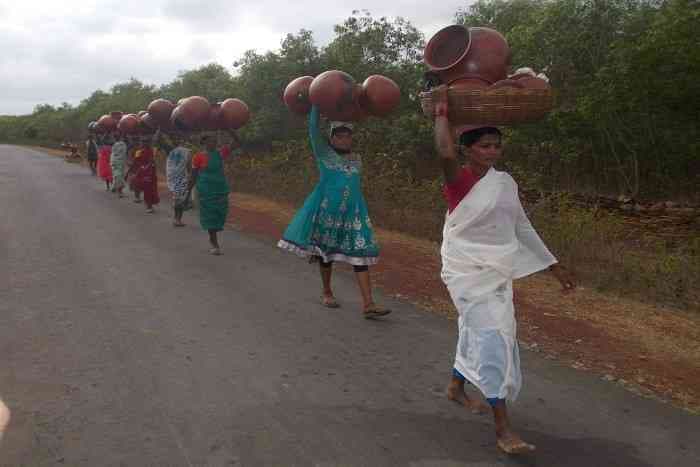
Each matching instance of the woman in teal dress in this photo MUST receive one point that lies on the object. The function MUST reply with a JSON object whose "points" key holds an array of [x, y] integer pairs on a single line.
{"points": [[334, 224], [209, 177]]}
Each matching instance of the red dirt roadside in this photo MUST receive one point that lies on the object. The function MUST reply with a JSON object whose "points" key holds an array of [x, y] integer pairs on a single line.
{"points": [[650, 350]]}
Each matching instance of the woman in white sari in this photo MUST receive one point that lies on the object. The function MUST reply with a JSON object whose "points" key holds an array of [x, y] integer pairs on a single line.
{"points": [[488, 242]]}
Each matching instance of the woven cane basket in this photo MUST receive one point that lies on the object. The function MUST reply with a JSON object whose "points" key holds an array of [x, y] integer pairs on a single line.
{"points": [[503, 106]]}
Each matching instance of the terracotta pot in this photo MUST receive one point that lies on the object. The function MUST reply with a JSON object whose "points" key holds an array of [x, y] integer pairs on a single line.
{"points": [[214, 120], [141, 113], [106, 123], [176, 120], [335, 93], [195, 111], [380, 95], [128, 124], [160, 110], [457, 52], [116, 115], [296, 95], [532, 82], [507, 83], [234, 113], [148, 120], [469, 83]]}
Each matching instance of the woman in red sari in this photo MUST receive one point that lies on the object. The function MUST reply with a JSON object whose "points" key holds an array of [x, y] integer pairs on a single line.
{"points": [[145, 176], [104, 170]]}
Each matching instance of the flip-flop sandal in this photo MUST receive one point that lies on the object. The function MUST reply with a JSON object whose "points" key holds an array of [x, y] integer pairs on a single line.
{"points": [[376, 313], [521, 448], [329, 302], [215, 251], [176, 224]]}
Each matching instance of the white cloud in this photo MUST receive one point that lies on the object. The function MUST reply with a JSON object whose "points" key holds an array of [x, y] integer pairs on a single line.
{"points": [[54, 52]]}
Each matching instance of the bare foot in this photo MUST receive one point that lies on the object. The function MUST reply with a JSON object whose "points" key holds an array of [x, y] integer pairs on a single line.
{"points": [[510, 443], [456, 393]]}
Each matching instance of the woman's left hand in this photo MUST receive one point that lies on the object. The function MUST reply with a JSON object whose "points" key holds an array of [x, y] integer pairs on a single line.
{"points": [[565, 278]]}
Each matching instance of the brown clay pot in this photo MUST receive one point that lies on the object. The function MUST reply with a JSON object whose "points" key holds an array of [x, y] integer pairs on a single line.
{"points": [[106, 123], [457, 52], [195, 111], [506, 83], [128, 124], [380, 95], [335, 93], [160, 110], [296, 95], [214, 120], [532, 82], [176, 120], [234, 113], [148, 120]]}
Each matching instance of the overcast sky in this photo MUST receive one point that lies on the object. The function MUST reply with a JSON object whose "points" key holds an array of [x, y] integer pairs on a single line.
{"points": [[54, 51]]}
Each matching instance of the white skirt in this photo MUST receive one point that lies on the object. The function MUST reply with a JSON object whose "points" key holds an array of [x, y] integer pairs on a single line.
{"points": [[487, 348]]}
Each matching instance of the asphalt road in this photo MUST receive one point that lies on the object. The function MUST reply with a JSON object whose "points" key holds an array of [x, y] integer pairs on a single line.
{"points": [[122, 343]]}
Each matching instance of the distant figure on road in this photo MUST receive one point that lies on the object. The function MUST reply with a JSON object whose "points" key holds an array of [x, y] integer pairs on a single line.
{"points": [[209, 177], [177, 173], [118, 162], [487, 242], [334, 224], [145, 175], [91, 150], [104, 170]]}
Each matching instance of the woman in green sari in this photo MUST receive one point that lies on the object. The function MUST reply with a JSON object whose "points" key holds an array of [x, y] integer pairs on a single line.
{"points": [[212, 187]]}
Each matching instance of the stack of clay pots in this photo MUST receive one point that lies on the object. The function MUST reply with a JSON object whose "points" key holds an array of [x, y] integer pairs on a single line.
{"points": [[190, 114], [474, 64], [339, 97]]}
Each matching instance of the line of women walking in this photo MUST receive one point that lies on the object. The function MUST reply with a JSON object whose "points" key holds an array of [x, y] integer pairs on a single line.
{"points": [[488, 240]]}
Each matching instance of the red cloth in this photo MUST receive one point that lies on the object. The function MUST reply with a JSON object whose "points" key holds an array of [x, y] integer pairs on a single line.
{"points": [[104, 169], [201, 159], [146, 179], [455, 192]]}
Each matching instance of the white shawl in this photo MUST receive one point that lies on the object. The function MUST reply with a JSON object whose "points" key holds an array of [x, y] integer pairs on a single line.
{"points": [[488, 240]]}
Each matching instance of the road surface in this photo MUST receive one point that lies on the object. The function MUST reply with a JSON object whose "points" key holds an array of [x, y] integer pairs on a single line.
{"points": [[124, 344]]}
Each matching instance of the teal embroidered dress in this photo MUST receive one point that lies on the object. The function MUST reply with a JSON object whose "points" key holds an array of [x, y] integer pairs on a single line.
{"points": [[333, 223]]}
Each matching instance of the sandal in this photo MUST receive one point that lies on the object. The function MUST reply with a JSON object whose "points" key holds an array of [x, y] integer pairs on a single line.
{"points": [[375, 312], [215, 251], [520, 448], [329, 302]]}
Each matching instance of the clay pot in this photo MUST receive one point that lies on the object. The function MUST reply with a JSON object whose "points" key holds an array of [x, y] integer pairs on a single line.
{"points": [[234, 113], [141, 113], [106, 123], [506, 83], [380, 95], [469, 83], [214, 120], [195, 111], [176, 120], [335, 93], [457, 52], [532, 82], [296, 95], [148, 120], [128, 124], [160, 110]]}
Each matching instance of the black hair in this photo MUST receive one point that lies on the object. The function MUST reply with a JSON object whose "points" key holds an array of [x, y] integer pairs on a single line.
{"points": [[340, 129], [468, 138]]}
